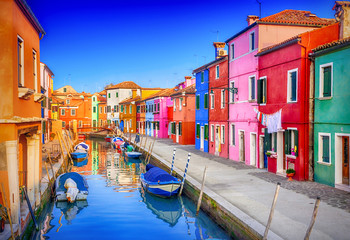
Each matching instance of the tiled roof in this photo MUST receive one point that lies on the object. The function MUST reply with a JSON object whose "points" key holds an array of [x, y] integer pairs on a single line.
{"points": [[102, 99], [344, 41], [187, 90], [296, 17], [341, 3], [103, 92], [125, 85], [131, 99]]}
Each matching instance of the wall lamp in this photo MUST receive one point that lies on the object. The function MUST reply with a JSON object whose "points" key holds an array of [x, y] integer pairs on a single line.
{"points": [[232, 90]]}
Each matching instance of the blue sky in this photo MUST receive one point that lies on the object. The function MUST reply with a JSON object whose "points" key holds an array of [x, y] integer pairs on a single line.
{"points": [[92, 43]]}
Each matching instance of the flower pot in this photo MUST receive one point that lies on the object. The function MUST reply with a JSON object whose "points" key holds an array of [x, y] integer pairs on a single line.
{"points": [[290, 176]]}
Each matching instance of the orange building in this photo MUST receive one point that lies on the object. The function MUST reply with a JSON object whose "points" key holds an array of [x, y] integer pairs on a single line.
{"points": [[20, 108], [128, 114], [102, 111]]}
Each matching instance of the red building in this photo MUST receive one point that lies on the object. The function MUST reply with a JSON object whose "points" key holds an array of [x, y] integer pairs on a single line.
{"points": [[218, 107], [183, 125], [284, 84]]}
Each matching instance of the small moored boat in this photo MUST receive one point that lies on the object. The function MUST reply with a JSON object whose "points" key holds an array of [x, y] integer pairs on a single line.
{"points": [[82, 145], [159, 182], [133, 154], [79, 155], [63, 194]]}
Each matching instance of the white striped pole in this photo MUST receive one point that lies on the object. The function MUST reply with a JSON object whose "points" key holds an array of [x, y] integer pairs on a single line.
{"points": [[172, 164], [184, 177]]}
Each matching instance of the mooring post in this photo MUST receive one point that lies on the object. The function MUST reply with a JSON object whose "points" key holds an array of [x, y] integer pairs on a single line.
{"points": [[201, 193], [184, 177], [59, 140], [272, 211], [313, 219], [68, 152], [149, 156], [172, 163], [53, 172]]}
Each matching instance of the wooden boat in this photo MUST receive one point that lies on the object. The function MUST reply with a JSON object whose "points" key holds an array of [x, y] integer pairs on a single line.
{"points": [[133, 154], [79, 155], [108, 138], [159, 182], [82, 145], [61, 191]]}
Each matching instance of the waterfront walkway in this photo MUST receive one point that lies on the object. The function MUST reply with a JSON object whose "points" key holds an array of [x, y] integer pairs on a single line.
{"points": [[248, 193]]}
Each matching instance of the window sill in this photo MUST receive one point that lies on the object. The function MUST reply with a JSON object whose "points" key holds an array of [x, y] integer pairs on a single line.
{"points": [[324, 163], [292, 101], [325, 98], [291, 156], [252, 100]]}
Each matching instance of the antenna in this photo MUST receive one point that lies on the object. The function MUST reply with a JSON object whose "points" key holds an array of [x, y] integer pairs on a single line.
{"points": [[259, 8]]}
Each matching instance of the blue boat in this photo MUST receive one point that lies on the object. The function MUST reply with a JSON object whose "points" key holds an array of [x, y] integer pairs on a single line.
{"points": [[82, 145], [81, 163], [79, 155], [159, 182], [133, 154], [61, 191]]}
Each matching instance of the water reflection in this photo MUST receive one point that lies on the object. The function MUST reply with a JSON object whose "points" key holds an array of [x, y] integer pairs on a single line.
{"points": [[118, 207]]}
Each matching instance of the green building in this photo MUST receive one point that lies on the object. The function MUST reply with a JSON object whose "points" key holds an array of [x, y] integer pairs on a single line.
{"points": [[94, 111], [332, 113]]}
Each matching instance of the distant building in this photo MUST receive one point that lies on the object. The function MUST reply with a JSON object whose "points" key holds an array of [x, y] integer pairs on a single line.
{"points": [[46, 83]]}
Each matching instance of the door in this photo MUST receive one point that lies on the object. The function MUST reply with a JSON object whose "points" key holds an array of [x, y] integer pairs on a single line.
{"points": [[241, 146], [217, 140], [345, 161], [177, 133], [253, 149], [202, 137]]}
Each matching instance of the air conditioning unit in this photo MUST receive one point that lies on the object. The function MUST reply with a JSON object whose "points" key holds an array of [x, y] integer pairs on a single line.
{"points": [[222, 52]]}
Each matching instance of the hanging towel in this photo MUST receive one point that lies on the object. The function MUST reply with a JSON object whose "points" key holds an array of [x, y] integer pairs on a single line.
{"points": [[274, 122]]}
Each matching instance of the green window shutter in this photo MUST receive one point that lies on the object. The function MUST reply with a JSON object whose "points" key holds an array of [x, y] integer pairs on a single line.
{"points": [[206, 132], [325, 157], [197, 102], [286, 142], [130, 109], [269, 142], [296, 141], [260, 89], [180, 128], [197, 130], [202, 77], [266, 140], [206, 99], [293, 86], [327, 81], [275, 142], [109, 95], [264, 91]]}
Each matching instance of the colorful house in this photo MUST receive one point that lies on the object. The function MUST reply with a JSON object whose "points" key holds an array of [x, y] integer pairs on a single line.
{"points": [[141, 116], [283, 95], [94, 110], [243, 75], [46, 84], [20, 114], [218, 105], [128, 114], [331, 104], [102, 114], [184, 119]]}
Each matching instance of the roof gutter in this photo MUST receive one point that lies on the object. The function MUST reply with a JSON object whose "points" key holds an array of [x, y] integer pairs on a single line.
{"points": [[330, 49]]}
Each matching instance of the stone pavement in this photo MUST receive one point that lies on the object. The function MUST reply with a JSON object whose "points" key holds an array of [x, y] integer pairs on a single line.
{"points": [[251, 190]]}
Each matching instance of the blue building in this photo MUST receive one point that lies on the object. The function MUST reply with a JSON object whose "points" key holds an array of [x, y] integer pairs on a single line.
{"points": [[150, 117], [202, 108]]}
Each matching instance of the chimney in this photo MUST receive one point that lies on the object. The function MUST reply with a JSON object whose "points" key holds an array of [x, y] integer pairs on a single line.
{"points": [[342, 15], [187, 81], [218, 46], [252, 19]]}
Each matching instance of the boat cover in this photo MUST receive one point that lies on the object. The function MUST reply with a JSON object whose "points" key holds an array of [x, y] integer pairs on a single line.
{"points": [[157, 174], [74, 176], [149, 166]]}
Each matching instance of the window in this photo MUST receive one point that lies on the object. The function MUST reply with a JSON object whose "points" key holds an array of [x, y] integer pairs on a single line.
{"points": [[324, 148], [116, 94], [222, 98], [20, 61], [180, 104], [130, 108], [105, 109], [232, 95], [202, 77], [63, 124], [173, 128], [326, 80], [291, 142], [109, 95], [138, 109], [108, 108], [63, 112], [94, 99], [217, 72], [94, 109], [174, 104], [232, 51], [252, 41], [35, 71], [198, 129], [212, 132], [212, 101], [68, 101], [233, 135], [252, 88], [125, 109], [206, 100], [222, 134], [206, 131], [72, 112], [197, 102], [80, 123], [262, 90], [100, 110], [158, 107], [180, 128], [115, 108], [292, 85], [64, 89]]}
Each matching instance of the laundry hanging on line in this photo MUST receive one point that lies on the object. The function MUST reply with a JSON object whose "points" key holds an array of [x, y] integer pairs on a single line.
{"points": [[273, 121]]}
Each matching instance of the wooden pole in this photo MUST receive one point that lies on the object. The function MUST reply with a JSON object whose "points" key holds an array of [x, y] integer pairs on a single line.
{"points": [[59, 140], [68, 153], [184, 177], [53, 172], [172, 163], [272, 211], [149, 156], [47, 171], [313, 219], [201, 193], [4, 200], [149, 149], [145, 142]]}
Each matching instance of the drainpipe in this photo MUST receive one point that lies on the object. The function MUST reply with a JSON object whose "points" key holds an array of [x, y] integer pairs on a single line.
{"points": [[311, 118]]}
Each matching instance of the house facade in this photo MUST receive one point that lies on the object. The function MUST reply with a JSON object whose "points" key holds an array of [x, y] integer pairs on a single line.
{"points": [[46, 85]]}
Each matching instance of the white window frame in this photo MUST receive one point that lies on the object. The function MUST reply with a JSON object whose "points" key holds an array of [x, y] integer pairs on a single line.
{"points": [[232, 134], [222, 134], [321, 80], [222, 95], [68, 101], [250, 88], [264, 77], [63, 111], [180, 104], [71, 112], [212, 100], [212, 131], [217, 72], [174, 104], [63, 124], [289, 86], [21, 61], [250, 41], [35, 70], [273, 136], [232, 95], [105, 109], [320, 148]]}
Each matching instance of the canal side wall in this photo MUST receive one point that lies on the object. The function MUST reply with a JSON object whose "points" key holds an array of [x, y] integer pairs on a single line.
{"points": [[235, 222]]}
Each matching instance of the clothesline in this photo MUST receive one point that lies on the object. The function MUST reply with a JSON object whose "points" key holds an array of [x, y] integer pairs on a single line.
{"points": [[271, 121]]}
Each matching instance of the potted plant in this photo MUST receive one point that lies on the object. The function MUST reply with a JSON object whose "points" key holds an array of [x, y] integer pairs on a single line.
{"points": [[290, 173]]}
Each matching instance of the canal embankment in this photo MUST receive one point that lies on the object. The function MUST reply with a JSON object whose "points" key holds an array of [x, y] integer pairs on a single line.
{"points": [[239, 197]]}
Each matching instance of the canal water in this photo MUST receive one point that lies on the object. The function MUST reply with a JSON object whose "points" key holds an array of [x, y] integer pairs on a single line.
{"points": [[118, 208]]}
